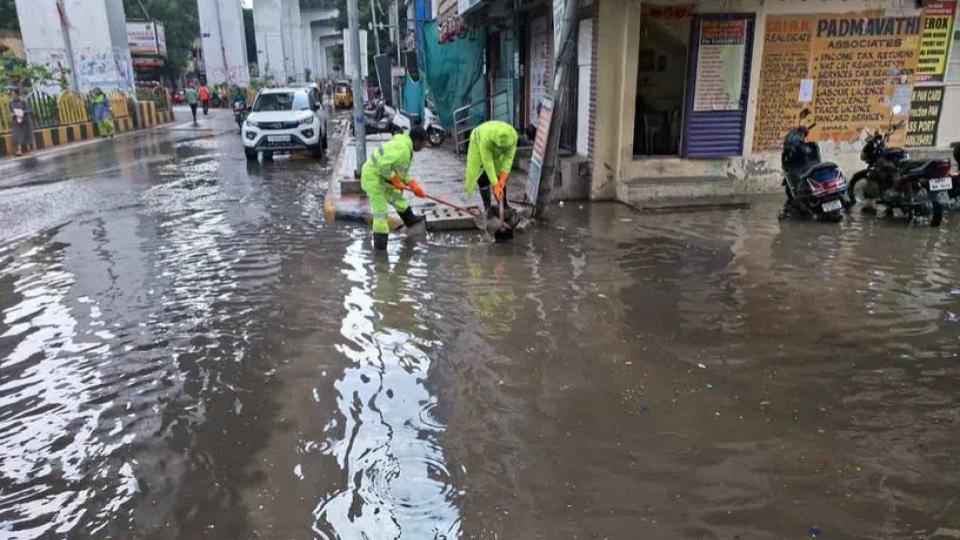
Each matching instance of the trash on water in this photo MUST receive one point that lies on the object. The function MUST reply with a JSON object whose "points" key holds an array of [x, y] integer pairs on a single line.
{"points": [[709, 386], [814, 531], [701, 365]]}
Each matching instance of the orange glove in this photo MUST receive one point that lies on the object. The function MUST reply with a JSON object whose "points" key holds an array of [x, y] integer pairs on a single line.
{"points": [[415, 188], [500, 189], [397, 183]]}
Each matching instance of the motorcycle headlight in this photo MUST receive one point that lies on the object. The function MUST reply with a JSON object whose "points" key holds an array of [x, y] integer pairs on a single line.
{"points": [[306, 121]]}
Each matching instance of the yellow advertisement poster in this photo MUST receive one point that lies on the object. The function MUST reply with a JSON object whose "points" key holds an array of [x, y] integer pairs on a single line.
{"points": [[935, 41], [860, 66]]}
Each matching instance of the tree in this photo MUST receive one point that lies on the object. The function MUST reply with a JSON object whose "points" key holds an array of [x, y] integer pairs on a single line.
{"points": [[8, 16], [27, 75], [181, 24]]}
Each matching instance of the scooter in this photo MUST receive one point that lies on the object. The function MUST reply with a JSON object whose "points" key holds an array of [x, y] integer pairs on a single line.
{"points": [[431, 124], [379, 118], [239, 113], [919, 189], [815, 188]]}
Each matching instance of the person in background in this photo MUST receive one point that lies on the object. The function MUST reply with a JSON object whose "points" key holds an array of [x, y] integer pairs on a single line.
{"points": [[22, 120], [240, 96], [205, 98], [101, 113], [384, 177], [493, 145], [193, 98]]}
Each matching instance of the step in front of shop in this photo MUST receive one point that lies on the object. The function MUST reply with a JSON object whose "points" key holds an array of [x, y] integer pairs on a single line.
{"points": [[661, 194]]}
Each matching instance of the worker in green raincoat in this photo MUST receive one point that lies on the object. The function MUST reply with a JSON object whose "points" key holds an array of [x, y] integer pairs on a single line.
{"points": [[384, 177], [493, 146]]}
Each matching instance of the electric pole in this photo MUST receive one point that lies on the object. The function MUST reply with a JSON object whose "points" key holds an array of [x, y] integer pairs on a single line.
{"points": [[376, 29], [359, 137]]}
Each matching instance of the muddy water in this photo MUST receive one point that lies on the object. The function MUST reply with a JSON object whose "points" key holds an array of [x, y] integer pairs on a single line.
{"points": [[208, 358]]}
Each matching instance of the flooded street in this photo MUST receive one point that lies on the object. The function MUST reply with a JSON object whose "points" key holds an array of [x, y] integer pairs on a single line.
{"points": [[189, 350]]}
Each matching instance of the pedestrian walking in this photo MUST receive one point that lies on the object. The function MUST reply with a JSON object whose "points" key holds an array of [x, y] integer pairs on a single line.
{"points": [[22, 128], [205, 98], [101, 113], [493, 145], [193, 98], [384, 177]]}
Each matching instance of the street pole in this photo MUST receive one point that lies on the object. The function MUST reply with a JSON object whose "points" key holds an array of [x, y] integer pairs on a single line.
{"points": [[68, 45], [564, 61], [376, 29], [360, 137]]}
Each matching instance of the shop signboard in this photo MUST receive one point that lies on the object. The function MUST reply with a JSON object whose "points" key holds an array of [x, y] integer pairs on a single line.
{"points": [[953, 59], [539, 148], [925, 107], [720, 62], [860, 65], [143, 39], [936, 39]]}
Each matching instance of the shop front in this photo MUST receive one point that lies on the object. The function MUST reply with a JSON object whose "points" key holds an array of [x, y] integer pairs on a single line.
{"points": [[709, 89]]}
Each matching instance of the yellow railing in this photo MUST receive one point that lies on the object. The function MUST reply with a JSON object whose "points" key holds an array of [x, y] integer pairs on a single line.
{"points": [[118, 104], [5, 120], [72, 108]]}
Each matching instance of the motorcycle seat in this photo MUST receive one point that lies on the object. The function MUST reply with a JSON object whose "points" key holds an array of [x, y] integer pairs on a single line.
{"points": [[818, 169], [916, 167]]}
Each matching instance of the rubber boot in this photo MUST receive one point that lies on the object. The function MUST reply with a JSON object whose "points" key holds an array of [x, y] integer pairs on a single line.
{"points": [[380, 241], [410, 219]]}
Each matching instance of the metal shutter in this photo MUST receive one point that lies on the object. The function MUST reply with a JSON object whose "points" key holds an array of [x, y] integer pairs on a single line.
{"points": [[716, 134]]}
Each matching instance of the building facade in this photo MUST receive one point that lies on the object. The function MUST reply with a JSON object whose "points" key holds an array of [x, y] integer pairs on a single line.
{"points": [[696, 97], [86, 37]]}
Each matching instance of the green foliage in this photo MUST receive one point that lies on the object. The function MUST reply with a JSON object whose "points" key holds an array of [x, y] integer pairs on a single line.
{"points": [[181, 24], [26, 75], [8, 16]]}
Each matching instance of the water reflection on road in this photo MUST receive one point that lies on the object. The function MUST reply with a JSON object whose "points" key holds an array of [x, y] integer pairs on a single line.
{"points": [[187, 349]]}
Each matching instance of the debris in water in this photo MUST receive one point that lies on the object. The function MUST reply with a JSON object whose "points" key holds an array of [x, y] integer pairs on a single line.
{"points": [[709, 386], [701, 365], [814, 531]]}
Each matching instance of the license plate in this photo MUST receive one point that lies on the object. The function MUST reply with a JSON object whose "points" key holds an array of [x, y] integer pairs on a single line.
{"points": [[941, 184], [278, 138], [832, 206]]}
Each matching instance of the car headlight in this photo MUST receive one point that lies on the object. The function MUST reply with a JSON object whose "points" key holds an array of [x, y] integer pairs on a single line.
{"points": [[306, 121], [251, 124]]}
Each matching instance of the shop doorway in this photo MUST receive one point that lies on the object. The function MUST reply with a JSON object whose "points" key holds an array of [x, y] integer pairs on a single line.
{"points": [[661, 81]]}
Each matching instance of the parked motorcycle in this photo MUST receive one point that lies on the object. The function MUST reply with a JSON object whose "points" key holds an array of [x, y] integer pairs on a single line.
{"points": [[239, 113], [378, 117], [815, 188], [919, 189], [431, 124]]}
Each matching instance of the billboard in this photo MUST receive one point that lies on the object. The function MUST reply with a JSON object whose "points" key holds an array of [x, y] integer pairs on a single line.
{"points": [[146, 39]]}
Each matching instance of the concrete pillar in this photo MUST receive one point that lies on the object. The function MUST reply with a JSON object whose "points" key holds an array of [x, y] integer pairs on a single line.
{"points": [[224, 42], [267, 23], [91, 40]]}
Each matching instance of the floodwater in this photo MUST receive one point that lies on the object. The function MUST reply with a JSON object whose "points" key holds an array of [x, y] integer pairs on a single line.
{"points": [[190, 351]]}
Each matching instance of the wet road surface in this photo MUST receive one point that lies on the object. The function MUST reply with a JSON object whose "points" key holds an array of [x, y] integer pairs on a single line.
{"points": [[190, 351]]}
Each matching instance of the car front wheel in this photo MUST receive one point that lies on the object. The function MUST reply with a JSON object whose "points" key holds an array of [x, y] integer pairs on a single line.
{"points": [[250, 153]]}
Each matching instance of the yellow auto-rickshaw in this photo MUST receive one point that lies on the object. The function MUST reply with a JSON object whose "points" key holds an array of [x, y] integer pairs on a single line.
{"points": [[342, 95]]}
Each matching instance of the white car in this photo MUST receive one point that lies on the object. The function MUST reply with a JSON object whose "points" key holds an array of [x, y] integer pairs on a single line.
{"points": [[283, 120]]}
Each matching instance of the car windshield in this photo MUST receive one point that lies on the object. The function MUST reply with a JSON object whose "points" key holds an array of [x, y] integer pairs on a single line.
{"points": [[281, 102]]}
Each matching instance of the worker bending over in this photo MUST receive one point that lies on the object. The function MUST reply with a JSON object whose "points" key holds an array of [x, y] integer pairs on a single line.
{"points": [[384, 177], [492, 148]]}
